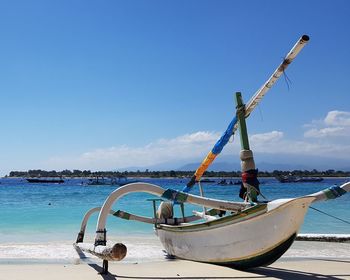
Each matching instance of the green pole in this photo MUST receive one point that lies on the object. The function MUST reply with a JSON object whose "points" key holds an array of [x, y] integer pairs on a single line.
{"points": [[251, 191], [241, 122]]}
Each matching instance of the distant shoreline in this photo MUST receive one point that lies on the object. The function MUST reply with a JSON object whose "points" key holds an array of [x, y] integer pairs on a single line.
{"points": [[166, 177], [171, 174]]}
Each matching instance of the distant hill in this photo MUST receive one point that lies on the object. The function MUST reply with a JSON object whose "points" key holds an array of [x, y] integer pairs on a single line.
{"points": [[216, 166], [226, 166], [264, 162]]}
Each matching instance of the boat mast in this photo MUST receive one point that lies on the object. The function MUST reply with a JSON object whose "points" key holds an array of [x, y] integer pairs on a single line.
{"points": [[250, 184]]}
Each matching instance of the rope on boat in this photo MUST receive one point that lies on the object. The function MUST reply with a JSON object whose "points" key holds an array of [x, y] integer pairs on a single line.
{"points": [[344, 221]]}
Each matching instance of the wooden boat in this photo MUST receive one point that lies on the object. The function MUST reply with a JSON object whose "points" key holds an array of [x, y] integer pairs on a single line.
{"points": [[45, 180], [225, 182], [297, 179], [114, 181], [243, 234], [208, 181]]}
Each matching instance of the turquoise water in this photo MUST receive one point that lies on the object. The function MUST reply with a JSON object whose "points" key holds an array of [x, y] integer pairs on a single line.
{"points": [[39, 222], [48, 212]]}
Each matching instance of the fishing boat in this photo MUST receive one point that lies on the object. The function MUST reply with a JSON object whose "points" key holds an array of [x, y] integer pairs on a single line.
{"points": [[45, 180], [112, 181], [208, 181], [297, 179], [225, 182], [240, 234]]}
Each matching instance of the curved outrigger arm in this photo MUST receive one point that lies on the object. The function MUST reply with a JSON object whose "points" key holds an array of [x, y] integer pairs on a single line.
{"points": [[86, 218], [148, 220], [117, 252], [169, 194]]}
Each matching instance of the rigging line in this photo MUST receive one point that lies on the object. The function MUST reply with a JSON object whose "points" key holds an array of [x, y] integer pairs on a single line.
{"points": [[259, 192], [232, 138], [264, 197], [345, 221], [287, 80], [261, 114]]}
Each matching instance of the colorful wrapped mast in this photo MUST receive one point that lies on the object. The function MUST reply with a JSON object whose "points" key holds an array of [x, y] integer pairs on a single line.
{"points": [[253, 102]]}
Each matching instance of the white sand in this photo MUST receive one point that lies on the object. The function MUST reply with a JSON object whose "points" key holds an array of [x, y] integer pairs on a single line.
{"points": [[304, 260], [176, 269]]}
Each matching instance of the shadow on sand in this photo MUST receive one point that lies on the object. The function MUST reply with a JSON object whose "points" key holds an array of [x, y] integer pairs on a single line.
{"points": [[257, 273]]}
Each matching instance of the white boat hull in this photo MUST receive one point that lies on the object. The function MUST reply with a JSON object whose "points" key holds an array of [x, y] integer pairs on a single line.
{"points": [[256, 239]]}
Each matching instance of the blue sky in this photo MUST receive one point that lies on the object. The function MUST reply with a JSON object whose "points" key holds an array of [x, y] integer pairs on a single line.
{"points": [[102, 85]]}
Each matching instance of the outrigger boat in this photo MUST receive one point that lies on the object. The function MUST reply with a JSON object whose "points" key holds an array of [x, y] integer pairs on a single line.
{"points": [[241, 235]]}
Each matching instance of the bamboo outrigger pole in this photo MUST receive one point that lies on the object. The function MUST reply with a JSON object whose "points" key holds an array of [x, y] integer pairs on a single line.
{"points": [[253, 102]]}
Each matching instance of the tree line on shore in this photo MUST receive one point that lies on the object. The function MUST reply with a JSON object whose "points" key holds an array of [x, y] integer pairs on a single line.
{"points": [[171, 173]]}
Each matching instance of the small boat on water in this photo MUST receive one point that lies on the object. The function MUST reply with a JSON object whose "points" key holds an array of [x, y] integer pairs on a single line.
{"points": [[208, 181], [111, 181], [45, 180], [224, 182], [240, 234], [297, 179]]}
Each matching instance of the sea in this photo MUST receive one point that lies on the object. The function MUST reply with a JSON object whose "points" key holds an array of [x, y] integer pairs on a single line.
{"points": [[40, 222]]}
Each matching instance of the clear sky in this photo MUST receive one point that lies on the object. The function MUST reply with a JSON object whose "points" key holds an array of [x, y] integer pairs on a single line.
{"points": [[103, 85]]}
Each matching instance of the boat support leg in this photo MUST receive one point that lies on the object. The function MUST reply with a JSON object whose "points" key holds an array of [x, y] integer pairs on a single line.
{"points": [[104, 268]]}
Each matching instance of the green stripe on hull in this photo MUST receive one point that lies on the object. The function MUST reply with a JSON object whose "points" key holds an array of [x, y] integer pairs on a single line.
{"points": [[244, 215]]}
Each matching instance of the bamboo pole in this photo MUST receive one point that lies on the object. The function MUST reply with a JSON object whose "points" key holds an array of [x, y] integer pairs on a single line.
{"points": [[254, 101]]}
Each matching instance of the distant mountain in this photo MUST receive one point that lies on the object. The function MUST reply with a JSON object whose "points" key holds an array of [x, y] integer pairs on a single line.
{"points": [[165, 166], [299, 162], [264, 162], [268, 166], [216, 166], [227, 166]]}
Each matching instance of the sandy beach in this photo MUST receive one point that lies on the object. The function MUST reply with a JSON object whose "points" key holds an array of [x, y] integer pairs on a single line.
{"points": [[297, 268], [304, 260]]}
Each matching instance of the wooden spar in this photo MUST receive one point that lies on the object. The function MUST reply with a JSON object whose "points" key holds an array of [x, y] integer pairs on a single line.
{"points": [[254, 101]]}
